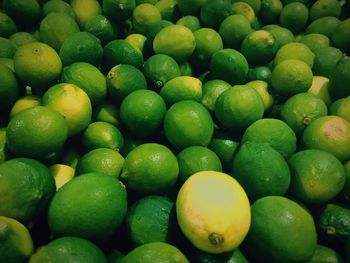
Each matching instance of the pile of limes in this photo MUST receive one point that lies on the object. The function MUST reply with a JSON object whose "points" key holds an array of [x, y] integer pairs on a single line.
{"points": [[158, 131]]}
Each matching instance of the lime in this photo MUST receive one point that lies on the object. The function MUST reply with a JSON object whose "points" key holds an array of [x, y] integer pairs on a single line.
{"points": [[22, 38], [81, 47], [17, 244], [57, 6], [234, 256], [23, 103], [72, 103], [315, 41], [282, 36], [270, 10], [4, 153], [329, 133], [341, 108], [159, 69], [338, 76], [137, 40], [262, 73], [7, 25], [62, 174], [107, 112], [323, 25], [255, 4], [192, 22], [341, 35], [155, 252], [218, 226], [144, 16], [326, 59], [320, 88], [322, 8], [291, 77], [229, 65], [323, 253], [103, 160], [317, 176], [85, 9], [122, 80], [281, 230], [56, 27], [23, 129], [238, 107], [188, 123], [102, 28], [115, 256], [66, 249], [259, 47], [190, 7], [301, 109], [262, 88], [213, 12], [346, 189], [295, 50], [118, 10], [7, 62], [150, 168], [261, 170], [233, 29], [130, 143], [8, 87], [142, 224], [142, 112], [24, 13], [121, 51], [294, 16], [26, 188], [245, 9], [211, 90], [153, 31], [186, 69], [168, 9], [83, 207], [101, 134], [37, 65], [181, 88]]}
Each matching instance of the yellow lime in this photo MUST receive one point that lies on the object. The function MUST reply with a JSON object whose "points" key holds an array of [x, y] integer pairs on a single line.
{"points": [[295, 50], [211, 90], [144, 16], [62, 174], [23, 103], [107, 112], [320, 88], [341, 108], [137, 40], [85, 9], [263, 89], [245, 9]]}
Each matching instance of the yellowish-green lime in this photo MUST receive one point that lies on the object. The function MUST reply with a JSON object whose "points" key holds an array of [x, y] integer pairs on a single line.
{"points": [[341, 108], [85, 9], [144, 16], [211, 90], [320, 88], [23, 103], [262, 87], [62, 174], [295, 50]]}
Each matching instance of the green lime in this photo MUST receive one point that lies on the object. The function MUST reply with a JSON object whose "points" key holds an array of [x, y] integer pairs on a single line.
{"points": [[235, 256], [7, 48], [238, 107], [83, 207], [188, 123], [229, 65], [294, 16], [263, 89], [72, 103], [181, 88], [337, 77], [22, 38], [153, 31], [17, 244], [281, 231], [23, 129], [315, 41], [4, 153], [66, 249], [270, 11], [329, 133], [259, 73], [274, 132], [26, 188], [190, 7], [317, 176], [301, 109], [192, 22], [186, 69], [326, 58], [55, 28], [346, 189], [9, 89], [155, 252], [106, 112], [282, 36], [233, 29], [85, 9], [159, 69], [295, 50], [150, 168], [291, 77], [326, 254], [341, 35], [142, 112], [7, 25], [142, 224], [7, 62], [214, 12], [102, 160], [60, 6], [211, 90], [130, 143], [101, 134], [320, 88], [176, 41], [194, 159], [243, 8], [261, 170], [24, 13], [23, 103], [341, 108], [323, 25], [144, 16], [122, 80], [322, 8], [168, 9], [255, 4], [118, 10], [37, 65], [102, 28], [115, 256], [121, 51]]}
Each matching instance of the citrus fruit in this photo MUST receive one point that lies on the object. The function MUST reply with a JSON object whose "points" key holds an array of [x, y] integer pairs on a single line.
{"points": [[144, 16], [337, 77], [341, 35], [17, 244], [261, 170], [159, 69], [301, 109], [142, 112], [150, 168], [23, 103], [25, 13], [317, 176], [72, 103], [188, 123], [270, 10], [294, 16], [341, 108], [4, 153], [326, 58], [120, 51], [295, 50], [22, 38], [23, 129], [322, 8], [281, 231], [56, 27], [9, 89], [346, 189], [329, 133], [176, 41], [107, 112], [323, 253], [191, 7], [192, 22], [245, 9], [262, 73], [137, 40], [238, 107], [229, 65], [212, 13], [62, 174], [102, 160], [26, 188], [233, 29], [68, 249], [168, 9], [291, 77], [101, 134], [102, 28], [7, 48], [211, 90], [234, 256], [155, 252], [323, 25], [85, 9], [282, 36], [181, 88], [90, 206], [7, 25], [57, 6], [7, 62], [262, 88], [194, 159], [118, 10], [152, 32], [142, 224], [186, 69], [320, 88], [255, 4], [115, 256], [87, 77], [218, 226], [37, 65], [124, 79], [81, 47]]}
